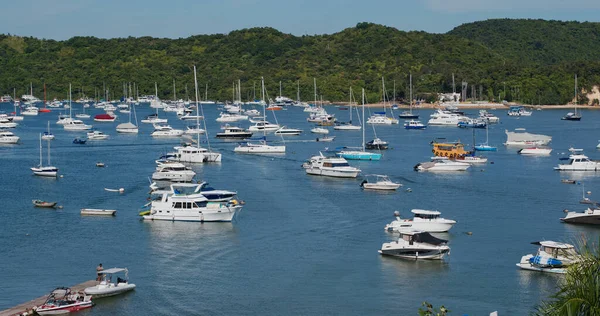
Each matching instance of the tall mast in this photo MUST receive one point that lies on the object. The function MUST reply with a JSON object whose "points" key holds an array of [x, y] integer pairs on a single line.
{"points": [[575, 93], [410, 85], [315, 81], [280, 88], [298, 93], [70, 107], [174, 91], [453, 86], [350, 105], [49, 153], [363, 119], [40, 149], [262, 98], [197, 111]]}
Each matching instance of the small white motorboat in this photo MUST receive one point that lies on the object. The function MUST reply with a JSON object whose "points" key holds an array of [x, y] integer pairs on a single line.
{"points": [[552, 257], [96, 135], [109, 288], [326, 139], [381, 182], [535, 151], [319, 130], [62, 301], [120, 190], [442, 164], [94, 211], [416, 245], [424, 220], [590, 216]]}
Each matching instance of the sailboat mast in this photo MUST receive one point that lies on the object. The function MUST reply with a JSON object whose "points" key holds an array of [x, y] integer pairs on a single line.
{"points": [[49, 164], [410, 89], [350, 105], [280, 88], [315, 81], [174, 91], [40, 149], [70, 107], [363, 119], [575, 94], [298, 92], [197, 111]]}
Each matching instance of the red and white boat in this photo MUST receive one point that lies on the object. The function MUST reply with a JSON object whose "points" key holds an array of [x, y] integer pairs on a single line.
{"points": [[62, 301], [274, 108], [105, 117]]}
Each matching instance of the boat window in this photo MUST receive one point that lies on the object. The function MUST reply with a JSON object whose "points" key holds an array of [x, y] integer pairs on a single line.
{"points": [[340, 164], [406, 237], [199, 204], [177, 205]]}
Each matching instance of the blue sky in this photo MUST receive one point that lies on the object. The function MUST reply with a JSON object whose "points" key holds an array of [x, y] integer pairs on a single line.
{"points": [[62, 19]]}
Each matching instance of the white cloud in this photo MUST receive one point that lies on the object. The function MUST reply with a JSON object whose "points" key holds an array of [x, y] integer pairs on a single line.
{"points": [[467, 6]]}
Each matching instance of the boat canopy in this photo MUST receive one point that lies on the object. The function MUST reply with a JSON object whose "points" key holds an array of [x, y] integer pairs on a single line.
{"points": [[552, 244], [126, 125], [113, 270], [425, 212], [424, 237]]}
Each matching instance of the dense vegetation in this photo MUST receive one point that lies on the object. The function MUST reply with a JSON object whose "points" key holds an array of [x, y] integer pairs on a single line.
{"points": [[530, 61]]}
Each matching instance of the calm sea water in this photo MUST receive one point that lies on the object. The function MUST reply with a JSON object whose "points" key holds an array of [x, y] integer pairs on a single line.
{"points": [[302, 244]]}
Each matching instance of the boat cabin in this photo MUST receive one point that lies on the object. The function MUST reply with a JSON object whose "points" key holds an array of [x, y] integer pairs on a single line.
{"points": [[426, 214]]}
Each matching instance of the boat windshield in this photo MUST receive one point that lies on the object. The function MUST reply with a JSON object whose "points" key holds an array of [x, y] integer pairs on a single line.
{"points": [[335, 164], [427, 216]]}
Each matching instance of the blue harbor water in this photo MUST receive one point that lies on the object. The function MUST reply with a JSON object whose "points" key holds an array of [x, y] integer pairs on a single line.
{"points": [[302, 244]]}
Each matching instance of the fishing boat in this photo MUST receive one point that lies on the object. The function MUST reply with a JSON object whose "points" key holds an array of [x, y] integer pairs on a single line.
{"points": [[45, 171], [330, 166], [40, 203], [414, 124], [379, 182], [360, 153], [62, 301], [573, 116], [423, 220], [185, 202], [416, 245], [107, 287], [551, 257], [95, 211]]}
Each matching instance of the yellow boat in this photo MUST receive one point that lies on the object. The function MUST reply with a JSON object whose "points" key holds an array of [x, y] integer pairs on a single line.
{"points": [[450, 150]]}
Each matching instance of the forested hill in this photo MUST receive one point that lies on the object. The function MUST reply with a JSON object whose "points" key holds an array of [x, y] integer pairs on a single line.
{"points": [[359, 56], [536, 41]]}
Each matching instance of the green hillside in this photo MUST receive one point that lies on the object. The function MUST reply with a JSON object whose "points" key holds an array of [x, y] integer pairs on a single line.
{"points": [[492, 58]]}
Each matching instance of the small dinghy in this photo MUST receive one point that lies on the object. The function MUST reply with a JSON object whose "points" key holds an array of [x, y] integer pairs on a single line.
{"points": [[100, 212], [109, 288], [120, 190], [379, 182], [40, 203], [100, 164], [79, 141], [568, 181], [326, 139]]}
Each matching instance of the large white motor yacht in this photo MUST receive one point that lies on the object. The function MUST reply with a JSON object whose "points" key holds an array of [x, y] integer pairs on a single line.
{"points": [[330, 166], [552, 257], [173, 171], [195, 154], [535, 151], [379, 118], [416, 245], [7, 137], [442, 164], [264, 126], [259, 148], [579, 162], [446, 118], [166, 131], [185, 202], [76, 125], [424, 220]]}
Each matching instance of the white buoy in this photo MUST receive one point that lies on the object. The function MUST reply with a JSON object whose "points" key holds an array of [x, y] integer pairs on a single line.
{"points": [[61, 176], [121, 190]]}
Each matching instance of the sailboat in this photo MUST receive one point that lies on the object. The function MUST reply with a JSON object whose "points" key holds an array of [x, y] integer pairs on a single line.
{"points": [[485, 146], [261, 147], [409, 114], [573, 116], [70, 124], [298, 102], [129, 128], [196, 153], [47, 135], [155, 103], [381, 118], [348, 126], [47, 171], [360, 154]]}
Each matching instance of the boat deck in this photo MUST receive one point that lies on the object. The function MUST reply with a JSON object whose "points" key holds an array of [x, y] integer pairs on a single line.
{"points": [[26, 308]]}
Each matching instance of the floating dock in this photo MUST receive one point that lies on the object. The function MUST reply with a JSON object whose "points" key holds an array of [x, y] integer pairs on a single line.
{"points": [[26, 308]]}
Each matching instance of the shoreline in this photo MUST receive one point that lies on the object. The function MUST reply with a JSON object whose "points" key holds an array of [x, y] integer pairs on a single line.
{"points": [[487, 106]]}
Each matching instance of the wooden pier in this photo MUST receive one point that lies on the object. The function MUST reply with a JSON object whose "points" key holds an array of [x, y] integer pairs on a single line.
{"points": [[26, 308]]}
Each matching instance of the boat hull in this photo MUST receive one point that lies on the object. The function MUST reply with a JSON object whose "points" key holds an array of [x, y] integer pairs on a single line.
{"points": [[221, 214], [332, 172], [90, 211], [262, 149], [63, 309], [105, 291], [416, 254], [359, 155], [581, 218]]}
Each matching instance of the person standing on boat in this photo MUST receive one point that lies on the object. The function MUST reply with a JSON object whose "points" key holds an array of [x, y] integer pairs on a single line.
{"points": [[99, 269]]}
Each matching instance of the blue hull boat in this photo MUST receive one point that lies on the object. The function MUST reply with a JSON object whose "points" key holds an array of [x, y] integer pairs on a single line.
{"points": [[485, 147], [359, 155]]}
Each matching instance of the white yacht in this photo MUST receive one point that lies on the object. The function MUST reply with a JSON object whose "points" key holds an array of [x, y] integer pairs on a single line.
{"points": [[252, 112], [166, 131], [45, 171], [211, 194], [154, 119], [442, 164], [288, 131], [416, 245], [535, 151], [173, 171], [76, 125], [319, 130], [195, 154], [186, 202], [330, 166], [259, 148], [552, 257], [228, 117], [579, 162], [489, 117], [379, 118], [194, 130], [97, 135], [234, 132], [265, 126], [380, 182], [127, 128], [7, 137], [30, 111], [521, 138], [424, 220], [445, 118], [589, 216]]}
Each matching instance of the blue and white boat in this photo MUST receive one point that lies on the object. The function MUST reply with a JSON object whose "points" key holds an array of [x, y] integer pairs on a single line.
{"points": [[552, 257], [472, 123], [414, 124], [485, 146]]}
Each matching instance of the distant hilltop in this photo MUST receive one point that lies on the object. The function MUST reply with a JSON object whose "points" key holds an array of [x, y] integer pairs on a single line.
{"points": [[526, 61]]}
